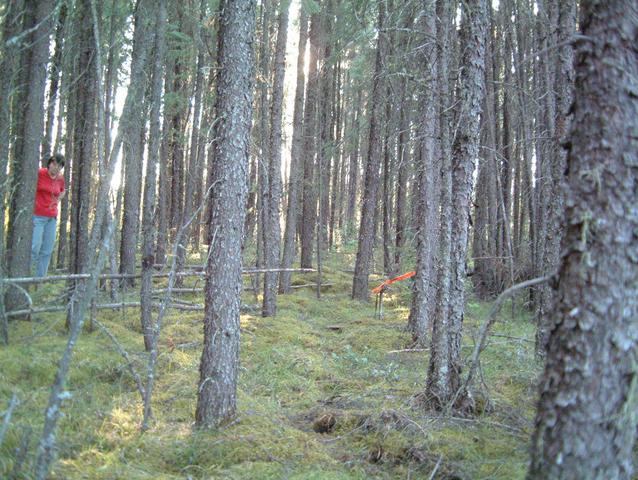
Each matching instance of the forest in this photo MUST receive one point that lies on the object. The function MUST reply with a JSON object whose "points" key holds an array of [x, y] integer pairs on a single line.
{"points": [[319, 239]]}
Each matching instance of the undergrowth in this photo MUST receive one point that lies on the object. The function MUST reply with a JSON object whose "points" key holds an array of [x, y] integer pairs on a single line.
{"points": [[321, 365]]}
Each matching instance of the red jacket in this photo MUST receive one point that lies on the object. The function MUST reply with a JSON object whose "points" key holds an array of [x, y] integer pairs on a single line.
{"points": [[46, 195]]}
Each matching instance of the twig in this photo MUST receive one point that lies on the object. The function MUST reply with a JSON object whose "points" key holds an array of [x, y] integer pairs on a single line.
{"points": [[436, 467], [488, 322], [7, 416], [124, 353], [513, 338], [409, 350]]}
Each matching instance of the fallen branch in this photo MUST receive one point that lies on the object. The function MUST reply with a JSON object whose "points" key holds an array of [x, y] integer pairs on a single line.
{"points": [[409, 350], [101, 306], [121, 276], [13, 403], [124, 353], [489, 321]]}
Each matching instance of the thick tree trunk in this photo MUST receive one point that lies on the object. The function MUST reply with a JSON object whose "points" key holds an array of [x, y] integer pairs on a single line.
{"points": [[365, 251], [217, 391], [295, 187], [428, 201], [586, 420], [444, 369]]}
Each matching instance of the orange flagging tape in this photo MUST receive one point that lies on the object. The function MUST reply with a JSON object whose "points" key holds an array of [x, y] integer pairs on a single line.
{"points": [[380, 288]]}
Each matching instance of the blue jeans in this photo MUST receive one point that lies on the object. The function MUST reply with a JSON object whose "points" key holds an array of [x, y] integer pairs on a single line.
{"points": [[42, 243]]}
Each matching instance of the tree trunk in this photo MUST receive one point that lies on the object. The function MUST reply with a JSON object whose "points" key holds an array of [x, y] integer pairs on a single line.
{"points": [[38, 18], [309, 209], [353, 170], [194, 170], [294, 183], [563, 81], [150, 181], [428, 201], [133, 140], [54, 81], [444, 369], [586, 421], [367, 228], [273, 229], [217, 391], [83, 139]]}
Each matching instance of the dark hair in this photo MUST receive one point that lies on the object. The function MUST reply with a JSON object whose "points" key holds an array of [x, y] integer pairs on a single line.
{"points": [[57, 158]]}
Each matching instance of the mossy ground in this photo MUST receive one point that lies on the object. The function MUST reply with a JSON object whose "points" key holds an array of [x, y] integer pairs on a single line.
{"points": [[327, 356]]}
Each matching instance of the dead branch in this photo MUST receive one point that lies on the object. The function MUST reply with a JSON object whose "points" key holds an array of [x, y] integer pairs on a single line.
{"points": [[489, 321], [124, 353], [121, 276], [13, 403]]}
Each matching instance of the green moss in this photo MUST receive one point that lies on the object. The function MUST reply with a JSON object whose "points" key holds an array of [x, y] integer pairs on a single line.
{"points": [[327, 356]]}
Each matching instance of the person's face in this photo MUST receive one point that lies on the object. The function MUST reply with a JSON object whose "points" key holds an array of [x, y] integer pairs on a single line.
{"points": [[54, 168]]}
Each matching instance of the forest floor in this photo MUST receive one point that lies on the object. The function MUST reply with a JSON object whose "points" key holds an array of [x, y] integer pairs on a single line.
{"points": [[320, 364]]}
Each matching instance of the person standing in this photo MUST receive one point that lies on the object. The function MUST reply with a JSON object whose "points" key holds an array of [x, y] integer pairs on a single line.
{"points": [[49, 191]]}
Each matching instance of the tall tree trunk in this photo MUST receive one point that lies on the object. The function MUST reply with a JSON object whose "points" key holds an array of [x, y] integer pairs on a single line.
{"points": [[133, 141], [217, 391], [272, 238], [563, 81], [367, 228], [325, 151], [194, 170], [586, 421], [444, 369], [164, 200], [150, 180], [353, 170], [309, 208], [8, 67], [428, 202], [295, 187], [337, 176], [403, 169], [38, 23], [84, 139], [54, 81]]}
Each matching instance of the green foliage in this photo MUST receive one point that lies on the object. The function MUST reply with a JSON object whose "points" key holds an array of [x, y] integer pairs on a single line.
{"points": [[317, 357]]}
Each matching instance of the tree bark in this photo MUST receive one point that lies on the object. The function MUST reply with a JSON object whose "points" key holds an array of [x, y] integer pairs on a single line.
{"points": [[586, 422], [367, 228], [38, 23], [217, 391], [133, 139], [150, 181], [444, 370], [272, 238], [295, 188], [563, 81], [83, 139], [309, 208], [428, 198]]}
